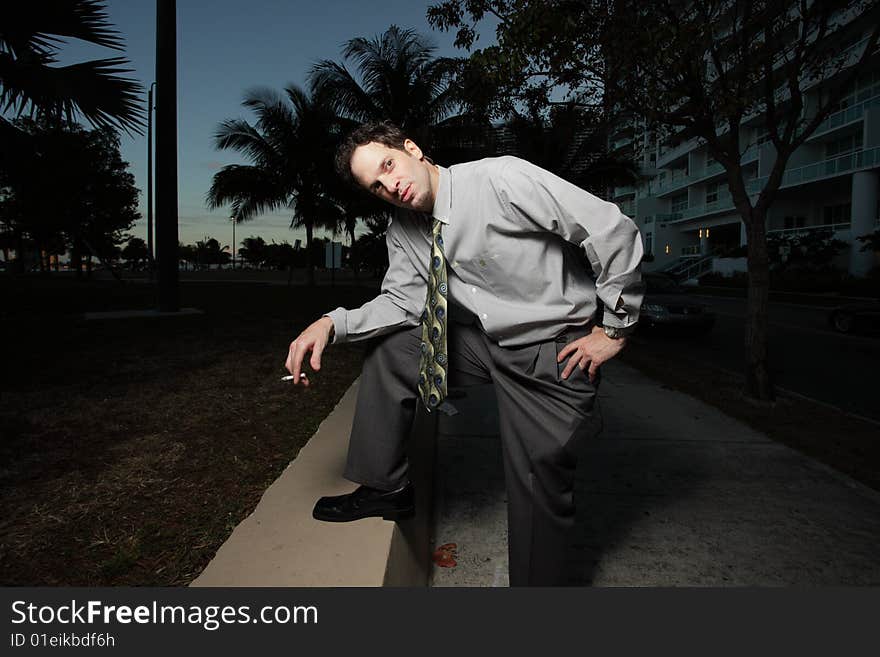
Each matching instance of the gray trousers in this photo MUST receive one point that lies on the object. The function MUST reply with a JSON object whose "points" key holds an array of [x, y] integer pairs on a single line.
{"points": [[543, 421]]}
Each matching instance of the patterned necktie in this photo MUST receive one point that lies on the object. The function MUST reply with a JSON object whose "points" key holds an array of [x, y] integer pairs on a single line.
{"points": [[432, 364]]}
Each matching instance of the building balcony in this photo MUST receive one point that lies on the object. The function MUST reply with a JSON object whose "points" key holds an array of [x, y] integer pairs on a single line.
{"points": [[824, 169], [803, 230], [673, 154], [647, 170], [620, 143], [713, 170], [847, 116], [846, 57], [625, 128], [724, 203], [629, 209]]}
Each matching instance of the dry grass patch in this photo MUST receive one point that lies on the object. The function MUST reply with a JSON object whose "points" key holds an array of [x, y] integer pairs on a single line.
{"points": [[132, 449]]}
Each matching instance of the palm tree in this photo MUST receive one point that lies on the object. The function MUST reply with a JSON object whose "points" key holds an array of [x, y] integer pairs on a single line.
{"points": [[291, 146], [399, 80], [30, 38], [209, 252]]}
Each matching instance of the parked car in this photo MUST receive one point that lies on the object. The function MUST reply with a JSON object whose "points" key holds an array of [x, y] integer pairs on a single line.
{"points": [[666, 306], [856, 317]]}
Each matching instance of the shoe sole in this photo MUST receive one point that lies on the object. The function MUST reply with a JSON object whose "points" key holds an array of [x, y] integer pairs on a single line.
{"points": [[388, 515]]}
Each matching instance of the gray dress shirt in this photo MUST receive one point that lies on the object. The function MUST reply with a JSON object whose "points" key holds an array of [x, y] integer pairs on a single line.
{"points": [[518, 240]]}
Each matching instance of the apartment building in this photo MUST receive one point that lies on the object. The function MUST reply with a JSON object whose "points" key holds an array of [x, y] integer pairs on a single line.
{"points": [[684, 208]]}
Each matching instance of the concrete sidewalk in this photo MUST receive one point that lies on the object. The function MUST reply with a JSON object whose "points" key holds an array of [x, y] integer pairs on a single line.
{"points": [[672, 493]]}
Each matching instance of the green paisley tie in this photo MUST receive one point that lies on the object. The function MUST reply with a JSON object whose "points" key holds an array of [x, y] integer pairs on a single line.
{"points": [[432, 364]]}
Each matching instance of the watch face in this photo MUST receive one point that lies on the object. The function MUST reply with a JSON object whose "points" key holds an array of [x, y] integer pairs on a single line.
{"points": [[616, 333]]}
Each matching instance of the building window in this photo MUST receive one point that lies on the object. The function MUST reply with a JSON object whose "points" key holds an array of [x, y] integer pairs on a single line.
{"points": [[795, 222], [711, 193], [649, 243], [680, 202], [837, 214]]}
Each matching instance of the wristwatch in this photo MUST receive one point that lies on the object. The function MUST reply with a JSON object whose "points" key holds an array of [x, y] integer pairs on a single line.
{"points": [[615, 333]]}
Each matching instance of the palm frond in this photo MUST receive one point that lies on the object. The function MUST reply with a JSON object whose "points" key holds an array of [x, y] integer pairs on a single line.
{"points": [[241, 136], [347, 96], [93, 89], [40, 26], [249, 190]]}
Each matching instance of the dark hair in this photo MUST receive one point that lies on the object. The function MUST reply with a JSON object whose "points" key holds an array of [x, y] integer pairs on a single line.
{"points": [[385, 133]]}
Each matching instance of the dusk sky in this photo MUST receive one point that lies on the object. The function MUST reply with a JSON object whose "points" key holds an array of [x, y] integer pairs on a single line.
{"points": [[224, 48]]}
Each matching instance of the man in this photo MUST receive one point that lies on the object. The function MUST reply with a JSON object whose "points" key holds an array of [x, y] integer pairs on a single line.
{"points": [[486, 282]]}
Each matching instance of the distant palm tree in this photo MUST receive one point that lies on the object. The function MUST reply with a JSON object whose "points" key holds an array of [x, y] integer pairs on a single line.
{"points": [[398, 79], [291, 147], [209, 252], [30, 34]]}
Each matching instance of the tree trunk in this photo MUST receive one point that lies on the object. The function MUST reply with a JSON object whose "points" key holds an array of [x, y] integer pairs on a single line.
{"points": [[310, 266], [759, 384], [18, 268], [76, 258], [352, 257]]}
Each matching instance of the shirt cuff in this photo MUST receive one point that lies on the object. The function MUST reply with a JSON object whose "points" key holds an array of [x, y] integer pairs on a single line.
{"points": [[340, 333], [618, 320]]}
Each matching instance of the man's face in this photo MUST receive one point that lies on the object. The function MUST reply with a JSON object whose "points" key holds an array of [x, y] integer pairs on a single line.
{"points": [[403, 178]]}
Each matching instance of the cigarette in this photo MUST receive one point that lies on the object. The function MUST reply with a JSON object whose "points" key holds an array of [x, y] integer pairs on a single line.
{"points": [[290, 377]]}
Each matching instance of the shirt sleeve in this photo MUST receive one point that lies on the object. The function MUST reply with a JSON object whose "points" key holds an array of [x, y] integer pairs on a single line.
{"points": [[400, 301], [537, 198]]}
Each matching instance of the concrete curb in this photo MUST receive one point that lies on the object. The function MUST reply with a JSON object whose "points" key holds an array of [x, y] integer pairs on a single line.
{"points": [[280, 544]]}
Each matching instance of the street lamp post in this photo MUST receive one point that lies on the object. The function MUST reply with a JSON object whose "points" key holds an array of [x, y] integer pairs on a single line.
{"points": [[150, 252]]}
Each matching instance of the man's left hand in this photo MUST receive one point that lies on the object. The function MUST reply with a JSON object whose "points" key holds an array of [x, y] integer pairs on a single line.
{"points": [[590, 351]]}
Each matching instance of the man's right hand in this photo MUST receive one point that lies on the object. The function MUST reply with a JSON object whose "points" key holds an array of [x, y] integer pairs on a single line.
{"points": [[313, 340]]}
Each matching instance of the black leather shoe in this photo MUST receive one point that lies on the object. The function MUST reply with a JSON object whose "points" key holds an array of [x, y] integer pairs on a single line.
{"points": [[366, 502]]}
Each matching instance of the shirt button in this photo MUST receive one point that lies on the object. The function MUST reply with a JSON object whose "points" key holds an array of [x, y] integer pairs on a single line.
{"points": [[485, 316], [482, 263], [473, 290]]}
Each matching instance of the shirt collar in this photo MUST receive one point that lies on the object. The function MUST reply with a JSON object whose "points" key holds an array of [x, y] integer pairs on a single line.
{"points": [[443, 201]]}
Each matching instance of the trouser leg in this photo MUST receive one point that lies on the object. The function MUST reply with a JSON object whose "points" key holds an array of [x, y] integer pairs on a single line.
{"points": [[543, 421], [388, 397], [386, 406]]}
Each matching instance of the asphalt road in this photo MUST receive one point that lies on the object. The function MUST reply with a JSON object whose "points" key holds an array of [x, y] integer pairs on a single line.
{"points": [[806, 356]]}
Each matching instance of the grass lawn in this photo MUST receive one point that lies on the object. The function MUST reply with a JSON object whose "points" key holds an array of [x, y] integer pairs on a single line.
{"points": [[132, 448]]}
